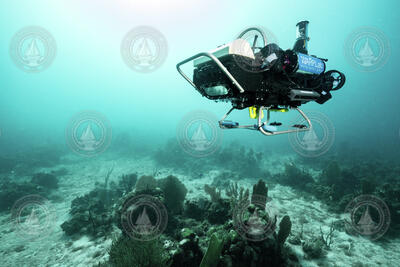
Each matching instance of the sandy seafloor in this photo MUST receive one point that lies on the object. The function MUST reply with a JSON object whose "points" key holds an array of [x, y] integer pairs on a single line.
{"points": [[56, 249]]}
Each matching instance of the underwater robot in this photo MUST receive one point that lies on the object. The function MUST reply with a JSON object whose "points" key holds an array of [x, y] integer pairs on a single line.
{"points": [[263, 78]]}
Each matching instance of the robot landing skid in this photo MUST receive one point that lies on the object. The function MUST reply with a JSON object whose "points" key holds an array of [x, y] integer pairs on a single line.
{"points": [[263, 126]]}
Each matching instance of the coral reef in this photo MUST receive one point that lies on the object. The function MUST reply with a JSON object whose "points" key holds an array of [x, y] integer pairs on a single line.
{"points": [[174, 192], [40, 184], [390, 193], [214, 194], [213, 253], [196, 209], [285, 226], [337, 182], [337, 185], [89, 214], [130, 252], [146, 182], [219, 209], [294, 177], [238, 251], [328, 237], [219, 212], [188, 252], [201, 232], [317, 246], [236, 194], [313, 248], [124, 212], [259, 189], [224, 179], [92, 214], [126, 183], [10, 192]]}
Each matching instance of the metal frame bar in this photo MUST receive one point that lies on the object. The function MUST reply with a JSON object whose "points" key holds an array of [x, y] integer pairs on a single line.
{"points": [[261, 124], [249, 127], [219, 64]]}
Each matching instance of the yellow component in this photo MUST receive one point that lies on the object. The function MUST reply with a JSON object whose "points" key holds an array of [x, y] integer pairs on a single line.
{"points": [[253, 112], [280, 110]]}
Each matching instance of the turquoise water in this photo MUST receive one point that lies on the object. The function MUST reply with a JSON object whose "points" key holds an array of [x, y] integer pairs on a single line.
{"points": [[88, 73]]}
